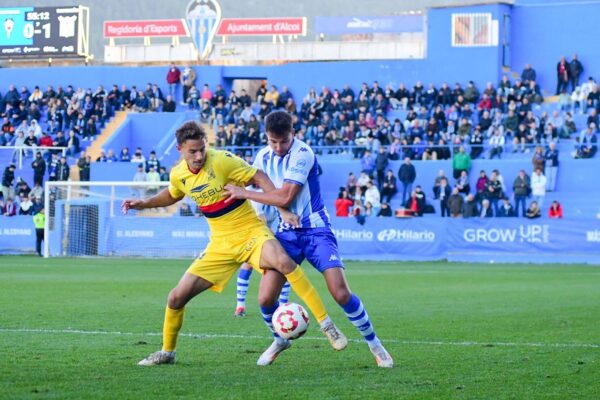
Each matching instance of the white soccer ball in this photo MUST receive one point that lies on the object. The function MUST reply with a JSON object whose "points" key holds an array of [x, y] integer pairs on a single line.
{"points": [[290, 321]]}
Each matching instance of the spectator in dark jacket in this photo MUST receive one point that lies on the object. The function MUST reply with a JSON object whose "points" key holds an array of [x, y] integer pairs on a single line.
{"points": [[575, 70], [470, 207], [39, 168], [456, 204], [407, 175], [506, 209], [443, 194], [528, 74], [8, 181], [390, 187], [84, 167], [381, 163], [63, 170], [521, 190], [486, 210]]}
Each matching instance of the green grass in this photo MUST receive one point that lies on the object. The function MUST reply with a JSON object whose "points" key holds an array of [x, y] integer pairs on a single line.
{"points": [[474, 331]]}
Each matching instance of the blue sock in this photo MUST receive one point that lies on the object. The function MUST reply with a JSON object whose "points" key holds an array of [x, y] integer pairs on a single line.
{"points": [[284, 296], [358, 316], [267, 314], [242, 286]]}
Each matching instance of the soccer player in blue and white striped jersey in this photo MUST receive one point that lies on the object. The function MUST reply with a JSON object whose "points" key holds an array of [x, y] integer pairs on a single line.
{"points": [[292, 166]]}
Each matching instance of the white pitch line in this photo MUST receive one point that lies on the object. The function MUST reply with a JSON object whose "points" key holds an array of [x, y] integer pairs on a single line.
{"points": [[222, 336]]}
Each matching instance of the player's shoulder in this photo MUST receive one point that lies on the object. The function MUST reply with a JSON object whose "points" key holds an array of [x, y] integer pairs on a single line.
{"points": [[179, 169], [263, 155], [300, 147], [301, 150]]}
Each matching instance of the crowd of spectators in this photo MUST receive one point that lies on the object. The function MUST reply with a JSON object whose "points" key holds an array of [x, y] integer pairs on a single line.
{"points": [[371, 194], [428, 123]]}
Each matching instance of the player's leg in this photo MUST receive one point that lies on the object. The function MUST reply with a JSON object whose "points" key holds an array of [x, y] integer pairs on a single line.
{"points": [[322, 253], [188, 287], [270, 286], [356, 313], [284, 296], [243, 280], [273, 256]]}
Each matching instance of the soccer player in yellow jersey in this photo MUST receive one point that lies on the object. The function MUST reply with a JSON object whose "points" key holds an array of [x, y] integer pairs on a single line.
{"points": [[237, 236]]}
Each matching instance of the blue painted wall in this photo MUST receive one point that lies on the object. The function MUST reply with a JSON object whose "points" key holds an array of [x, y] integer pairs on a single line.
{"points": [[543, 31], [147, 131]]}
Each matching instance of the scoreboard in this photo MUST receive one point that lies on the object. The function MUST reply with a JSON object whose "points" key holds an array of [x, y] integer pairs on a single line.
{"points": [[41, 32]]}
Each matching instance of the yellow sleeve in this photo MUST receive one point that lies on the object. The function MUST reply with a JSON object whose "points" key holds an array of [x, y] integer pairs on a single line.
{"points": [[235, 169], [175, 185]]}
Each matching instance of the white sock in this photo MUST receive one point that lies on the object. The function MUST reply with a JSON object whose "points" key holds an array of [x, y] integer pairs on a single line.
{"points": [[325, 322]]}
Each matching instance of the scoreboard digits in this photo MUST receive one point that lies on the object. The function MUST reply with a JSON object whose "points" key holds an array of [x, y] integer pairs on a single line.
{"points": [[39, 32]]}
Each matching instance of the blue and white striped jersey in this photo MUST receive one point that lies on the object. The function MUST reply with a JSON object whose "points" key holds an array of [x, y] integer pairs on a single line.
{"points": [[298, 166], [269, 213]]}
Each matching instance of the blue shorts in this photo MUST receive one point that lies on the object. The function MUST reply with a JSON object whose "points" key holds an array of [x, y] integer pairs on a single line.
{"points": [[317, 245]]}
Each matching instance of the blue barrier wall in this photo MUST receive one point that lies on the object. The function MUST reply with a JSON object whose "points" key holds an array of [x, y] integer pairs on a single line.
{"points": [[507, 240], [17, 234]]}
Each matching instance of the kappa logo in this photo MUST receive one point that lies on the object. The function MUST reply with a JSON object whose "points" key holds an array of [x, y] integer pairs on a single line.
{"points": [[333, 257], [183, 181], [302, 149], [200, 188]]}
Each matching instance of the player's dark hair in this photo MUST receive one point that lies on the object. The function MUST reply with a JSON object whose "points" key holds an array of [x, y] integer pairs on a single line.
{"points": [[189, 131], [278, 123]]}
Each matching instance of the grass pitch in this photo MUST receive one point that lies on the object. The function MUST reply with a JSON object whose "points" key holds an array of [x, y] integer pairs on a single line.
{"points": [[75, 329]]}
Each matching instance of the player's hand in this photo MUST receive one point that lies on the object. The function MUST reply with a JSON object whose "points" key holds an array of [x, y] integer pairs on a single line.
{"points": [[289, 218], [131, 204], [233, 192]]}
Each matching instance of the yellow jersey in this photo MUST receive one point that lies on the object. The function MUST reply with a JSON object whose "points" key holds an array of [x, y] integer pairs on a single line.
{"points": [[206, 188]]}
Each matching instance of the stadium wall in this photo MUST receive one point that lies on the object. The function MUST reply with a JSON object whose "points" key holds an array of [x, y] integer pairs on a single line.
{"points": [[467, 240], [543, 31]]}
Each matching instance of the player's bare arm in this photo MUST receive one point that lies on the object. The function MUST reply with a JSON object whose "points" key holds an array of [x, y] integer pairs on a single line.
{"points": [[162, 199], [281, 197]]}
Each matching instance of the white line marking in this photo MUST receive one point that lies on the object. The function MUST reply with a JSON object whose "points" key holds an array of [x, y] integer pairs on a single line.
{"points": [[222, 336]]}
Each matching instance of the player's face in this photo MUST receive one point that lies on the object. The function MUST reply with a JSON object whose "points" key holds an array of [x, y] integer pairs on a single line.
{"points": [[280, 145], [194, 153]]}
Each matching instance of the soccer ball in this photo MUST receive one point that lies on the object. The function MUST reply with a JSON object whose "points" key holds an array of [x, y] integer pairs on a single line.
{"points": [[290, 321]]}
